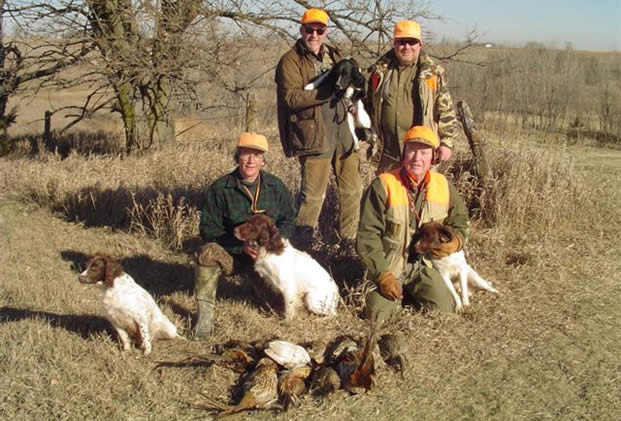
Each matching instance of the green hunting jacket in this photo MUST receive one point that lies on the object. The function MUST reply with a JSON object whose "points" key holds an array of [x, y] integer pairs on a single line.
{"points": [[400, 97], [380, 234], [300, 123], [227, 205]]}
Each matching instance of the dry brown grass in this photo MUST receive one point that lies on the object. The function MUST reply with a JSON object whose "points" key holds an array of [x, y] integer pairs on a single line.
{"points": [[544, 233]]}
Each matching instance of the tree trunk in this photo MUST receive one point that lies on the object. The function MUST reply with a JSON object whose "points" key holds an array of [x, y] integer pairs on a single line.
{"points": [[160, 120], [251, 113], [477, 144], [128, 114]]}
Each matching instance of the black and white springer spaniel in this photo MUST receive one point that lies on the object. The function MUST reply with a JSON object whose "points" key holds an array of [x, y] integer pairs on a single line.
{"points": [[347, 84]]}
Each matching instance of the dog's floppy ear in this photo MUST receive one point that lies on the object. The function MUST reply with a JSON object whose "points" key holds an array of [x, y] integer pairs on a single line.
{"points": [[445, 234], [271, 239], [113, 270], [275, 244], [263, 239]]}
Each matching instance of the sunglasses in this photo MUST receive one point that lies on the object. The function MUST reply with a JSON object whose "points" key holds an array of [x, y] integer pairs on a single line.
{"points": [[310, 29], [407, 41]]}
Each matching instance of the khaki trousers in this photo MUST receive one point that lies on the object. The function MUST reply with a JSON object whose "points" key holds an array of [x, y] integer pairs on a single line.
{"points": [[315, 174]]}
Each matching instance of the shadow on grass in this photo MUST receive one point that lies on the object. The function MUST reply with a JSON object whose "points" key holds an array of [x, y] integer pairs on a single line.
{"points": [[159, 278], [85, 325], [191, 362], [163, 279]]}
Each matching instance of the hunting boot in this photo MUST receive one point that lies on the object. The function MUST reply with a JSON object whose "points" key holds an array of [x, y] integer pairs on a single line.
{"points": [[211, 261], [205, 286]]}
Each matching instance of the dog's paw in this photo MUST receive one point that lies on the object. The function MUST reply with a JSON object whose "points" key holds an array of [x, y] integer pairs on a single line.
{"points": [[459, 307], [490, 288]]}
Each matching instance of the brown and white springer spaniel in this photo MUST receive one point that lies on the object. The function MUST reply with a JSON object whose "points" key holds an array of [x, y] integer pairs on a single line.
{"points": [[130, 309], [432, 235], [290, 272]]}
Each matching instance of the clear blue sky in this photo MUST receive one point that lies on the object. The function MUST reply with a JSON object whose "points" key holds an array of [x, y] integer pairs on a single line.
{"points": [[587, 24]]}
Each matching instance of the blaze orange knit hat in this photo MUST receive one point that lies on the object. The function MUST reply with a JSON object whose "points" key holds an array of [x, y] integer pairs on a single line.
{"points": [[421, 134], [407, 29], [253, 141], [315, 16]]}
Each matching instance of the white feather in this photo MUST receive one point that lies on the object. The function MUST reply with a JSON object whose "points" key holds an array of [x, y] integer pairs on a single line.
{"points": [[287, 354]]}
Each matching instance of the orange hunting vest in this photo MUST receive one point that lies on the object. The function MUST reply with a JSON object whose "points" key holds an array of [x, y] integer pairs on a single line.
{"points": [[397, 227]]}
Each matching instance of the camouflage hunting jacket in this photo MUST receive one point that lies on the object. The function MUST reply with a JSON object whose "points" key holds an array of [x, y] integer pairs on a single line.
{"points": [[429, 97], [227, 204], [301, 127]]}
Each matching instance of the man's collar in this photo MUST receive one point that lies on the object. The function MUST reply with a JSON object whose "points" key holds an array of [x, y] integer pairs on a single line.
{"points": [[234, 180], [305, 50], [397, 64], [411, 180]]}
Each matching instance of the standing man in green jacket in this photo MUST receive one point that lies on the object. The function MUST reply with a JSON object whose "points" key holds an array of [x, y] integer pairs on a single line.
{"points": [[393, 207], [314, 129], [406, 88], [229, 202]]}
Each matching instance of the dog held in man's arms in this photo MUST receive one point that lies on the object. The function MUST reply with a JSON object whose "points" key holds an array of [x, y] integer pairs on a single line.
{"points": [[347, 84], [293, 273]]}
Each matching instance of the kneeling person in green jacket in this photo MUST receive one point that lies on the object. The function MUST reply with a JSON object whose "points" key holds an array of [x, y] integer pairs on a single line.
{"points": [[230, 201], [393, 207]]}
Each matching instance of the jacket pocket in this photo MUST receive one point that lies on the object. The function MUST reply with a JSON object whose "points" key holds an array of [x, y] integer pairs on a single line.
{"points": [[392, 234], [393, 227], [303, 130]]}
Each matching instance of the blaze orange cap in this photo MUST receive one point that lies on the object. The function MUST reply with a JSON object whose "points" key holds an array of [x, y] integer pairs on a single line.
{"points": [[315, 16], [421, 134], [253, 141], [407, 29]]}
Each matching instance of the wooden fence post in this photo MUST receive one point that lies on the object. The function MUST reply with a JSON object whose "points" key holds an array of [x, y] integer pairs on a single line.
{"points": [[477, 144], [251, 113], [48, 138]]}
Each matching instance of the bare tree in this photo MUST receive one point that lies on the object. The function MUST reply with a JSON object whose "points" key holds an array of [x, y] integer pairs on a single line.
{"points": [[147, 53], [21, 62]]}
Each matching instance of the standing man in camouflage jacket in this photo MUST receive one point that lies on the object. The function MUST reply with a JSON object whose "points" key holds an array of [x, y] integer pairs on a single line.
{"points": [[229, 202], [406, 88], [313, 128], [393, 207]]}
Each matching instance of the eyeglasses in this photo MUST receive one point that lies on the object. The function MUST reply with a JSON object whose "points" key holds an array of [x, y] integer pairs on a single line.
{"points": [[310, 29], [407, 41]]}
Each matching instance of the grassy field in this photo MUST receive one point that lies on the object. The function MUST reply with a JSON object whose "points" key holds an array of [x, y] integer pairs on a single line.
{"points": [[545, 233]]}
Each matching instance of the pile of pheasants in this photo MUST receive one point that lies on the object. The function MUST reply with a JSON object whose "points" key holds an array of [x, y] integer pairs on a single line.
{"points": [[276, 373]]}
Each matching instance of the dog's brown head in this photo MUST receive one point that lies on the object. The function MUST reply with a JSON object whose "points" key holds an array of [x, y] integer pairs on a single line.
{"points": [[101, 268], [261, 230], [432, 236]]}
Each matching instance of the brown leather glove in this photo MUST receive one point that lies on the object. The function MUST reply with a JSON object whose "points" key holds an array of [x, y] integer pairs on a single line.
{"points": [[447, 245], [389, 286]]}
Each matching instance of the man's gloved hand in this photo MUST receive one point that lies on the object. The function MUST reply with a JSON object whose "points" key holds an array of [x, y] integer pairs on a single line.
{"points": [[389, 286], [447, 246]]}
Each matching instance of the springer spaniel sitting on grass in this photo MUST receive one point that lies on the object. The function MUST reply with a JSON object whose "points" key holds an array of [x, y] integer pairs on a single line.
{"points": [[290, 272], [130, 309]]}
